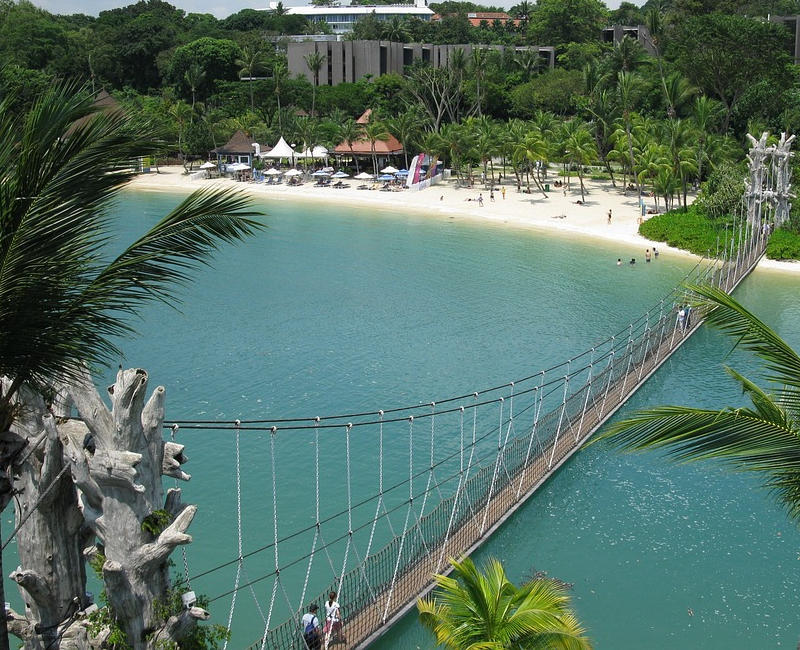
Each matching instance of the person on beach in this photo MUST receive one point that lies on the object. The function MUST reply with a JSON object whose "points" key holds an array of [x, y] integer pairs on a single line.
{"points": [[310, 625], [609, 217], [647, 255], [503, 192], [333, 619], [619, 261], [491, 195], [480, 200]]}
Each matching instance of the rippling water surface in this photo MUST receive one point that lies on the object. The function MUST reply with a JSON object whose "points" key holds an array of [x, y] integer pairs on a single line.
{"points": [[332, 310]]}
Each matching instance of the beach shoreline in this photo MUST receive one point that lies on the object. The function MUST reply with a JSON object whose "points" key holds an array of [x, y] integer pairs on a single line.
{"points": [[558, 213]]}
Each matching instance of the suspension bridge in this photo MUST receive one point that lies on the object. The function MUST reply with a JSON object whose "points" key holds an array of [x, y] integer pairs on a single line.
{"points": [[471, 460]]}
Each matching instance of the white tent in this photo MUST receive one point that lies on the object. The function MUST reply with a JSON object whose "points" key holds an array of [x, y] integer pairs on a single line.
{"points": [[280, 150], [389, 170], [208, 165], [316, 152]]}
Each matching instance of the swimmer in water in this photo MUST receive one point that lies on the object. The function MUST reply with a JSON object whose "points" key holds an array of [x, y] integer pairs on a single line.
{"points": [[619, 261]]}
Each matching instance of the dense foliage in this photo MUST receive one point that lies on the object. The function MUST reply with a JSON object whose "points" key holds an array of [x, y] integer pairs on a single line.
{"points": [[691, 230]]}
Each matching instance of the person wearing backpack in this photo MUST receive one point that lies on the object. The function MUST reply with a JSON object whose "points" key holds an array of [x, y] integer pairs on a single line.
{"points": [[310, 625]]}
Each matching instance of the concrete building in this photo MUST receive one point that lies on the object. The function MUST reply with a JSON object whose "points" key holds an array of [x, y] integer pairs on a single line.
{"points": [[792, 23], [475, 18], [616, 33], [349, 61], [340, 18]]}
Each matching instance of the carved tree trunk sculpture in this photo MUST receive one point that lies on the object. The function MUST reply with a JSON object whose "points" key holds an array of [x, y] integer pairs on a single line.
{"points": [[117, 468], [51, 575]]}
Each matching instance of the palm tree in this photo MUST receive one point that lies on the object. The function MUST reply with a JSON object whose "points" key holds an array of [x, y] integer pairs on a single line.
{"points": [[375, 130], [350, 131], [181, 112], [194, 77], [395, 29], [63, 304], [764, 438], [677, 92], [580, 149], [627, 87], [250, 63], [314, 62], [405, 127], [474, 609], [280, 72], [528, 61], [478, 70]]}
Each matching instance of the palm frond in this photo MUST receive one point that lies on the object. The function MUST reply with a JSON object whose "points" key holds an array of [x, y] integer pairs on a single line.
{"points": [[60, 304], [751, 333]]}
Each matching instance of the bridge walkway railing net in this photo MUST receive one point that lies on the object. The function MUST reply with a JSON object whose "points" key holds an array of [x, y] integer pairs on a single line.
{"points": [[383, 584]]}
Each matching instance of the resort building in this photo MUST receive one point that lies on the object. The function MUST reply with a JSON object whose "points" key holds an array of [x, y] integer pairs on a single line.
{"points": [[391, 146], [340, 18], [349, 61], [792, 23], [616, 33], [489, 17]]}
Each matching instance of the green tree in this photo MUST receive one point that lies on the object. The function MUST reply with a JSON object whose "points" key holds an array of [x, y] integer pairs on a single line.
{"points": [[717, 54], [194, 76], [314, 62], [474, 609], [558, 22], [251, 63], [216, 56], [763, 438], [580, 149], [63, 302], [405, 127], [350, 131], [375, 130]]}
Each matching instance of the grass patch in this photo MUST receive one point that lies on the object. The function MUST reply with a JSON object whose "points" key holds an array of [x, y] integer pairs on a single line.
{"points": [[692, 231], [784, 245]]}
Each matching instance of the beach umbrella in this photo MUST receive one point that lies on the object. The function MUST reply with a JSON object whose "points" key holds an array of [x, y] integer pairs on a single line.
{"points": [[402, 172], [389, 170], [341, 174], [386, 177], [238, 167], [328, 169], [273, 172], [208, 165], [293, 172], [363, 176], [320, 173]]}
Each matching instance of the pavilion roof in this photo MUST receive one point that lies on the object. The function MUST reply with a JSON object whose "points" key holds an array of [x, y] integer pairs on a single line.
{"points": [[239, 143]]}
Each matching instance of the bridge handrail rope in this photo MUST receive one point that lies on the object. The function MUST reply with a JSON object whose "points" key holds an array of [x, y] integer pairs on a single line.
{"points": [[229, 425]]}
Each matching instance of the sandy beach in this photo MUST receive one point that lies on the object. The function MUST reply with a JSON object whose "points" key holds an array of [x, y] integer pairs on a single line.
{"points": [[557, 212]]}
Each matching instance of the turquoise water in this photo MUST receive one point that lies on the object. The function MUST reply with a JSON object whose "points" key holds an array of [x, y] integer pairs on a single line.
{"points": [[332, 310]]}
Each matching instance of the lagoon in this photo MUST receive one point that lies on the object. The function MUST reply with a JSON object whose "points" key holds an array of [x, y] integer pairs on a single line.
{"points": [[331, 310]]}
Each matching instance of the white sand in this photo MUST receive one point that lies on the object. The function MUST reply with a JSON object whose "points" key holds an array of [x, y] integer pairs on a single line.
{"points": [[517, 209]]}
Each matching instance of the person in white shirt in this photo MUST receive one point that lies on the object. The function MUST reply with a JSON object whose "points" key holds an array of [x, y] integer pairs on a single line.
{"points": [[310, 626], [333, 619]]}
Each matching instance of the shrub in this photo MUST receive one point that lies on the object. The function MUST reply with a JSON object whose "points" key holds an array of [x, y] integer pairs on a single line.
{"points": [[784, 245], [691, 230]]}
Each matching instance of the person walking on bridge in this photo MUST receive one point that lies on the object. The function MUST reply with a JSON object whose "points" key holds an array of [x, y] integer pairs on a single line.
{"points": [[333, 620]]}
